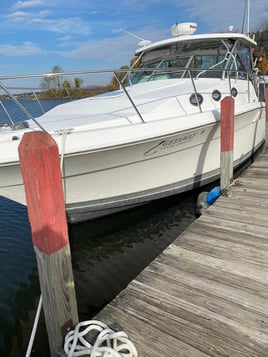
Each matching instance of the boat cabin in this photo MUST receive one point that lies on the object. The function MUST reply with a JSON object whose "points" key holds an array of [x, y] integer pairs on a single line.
{"points": [[196, 56]]}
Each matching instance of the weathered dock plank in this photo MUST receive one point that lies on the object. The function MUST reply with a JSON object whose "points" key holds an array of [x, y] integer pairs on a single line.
{"points": [[207, 293]]}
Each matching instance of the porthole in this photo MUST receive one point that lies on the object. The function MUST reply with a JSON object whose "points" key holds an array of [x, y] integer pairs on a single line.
{"points": [[234, 92], [196, 99], [216, 95]]}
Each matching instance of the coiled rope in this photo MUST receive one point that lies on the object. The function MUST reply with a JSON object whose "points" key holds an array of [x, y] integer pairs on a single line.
{"points": [[107, 342]]}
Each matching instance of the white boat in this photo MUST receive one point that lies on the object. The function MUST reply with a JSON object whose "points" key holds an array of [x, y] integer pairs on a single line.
{"points": [[156, 136]]}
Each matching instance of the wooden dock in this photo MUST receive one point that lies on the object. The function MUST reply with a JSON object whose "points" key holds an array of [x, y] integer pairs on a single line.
{"points": [[207, 293]]}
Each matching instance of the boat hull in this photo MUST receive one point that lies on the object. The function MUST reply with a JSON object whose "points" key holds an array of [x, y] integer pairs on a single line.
{"points": [[122, 177], [102, 181]]}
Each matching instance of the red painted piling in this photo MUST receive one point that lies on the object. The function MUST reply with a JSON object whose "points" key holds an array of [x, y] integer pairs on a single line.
{"points": [[40, 167], [227, 141], [266, 116]]}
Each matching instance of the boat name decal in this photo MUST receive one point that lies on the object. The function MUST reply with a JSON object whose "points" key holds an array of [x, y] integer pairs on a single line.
{"points": [[167, 144]]}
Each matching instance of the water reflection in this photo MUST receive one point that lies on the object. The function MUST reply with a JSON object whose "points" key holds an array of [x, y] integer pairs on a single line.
{"points": [[109, 252], [18, 278]]}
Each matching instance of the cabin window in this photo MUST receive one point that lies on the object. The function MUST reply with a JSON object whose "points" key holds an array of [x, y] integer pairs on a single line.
{"points": [[244, 54], [217, 58]]}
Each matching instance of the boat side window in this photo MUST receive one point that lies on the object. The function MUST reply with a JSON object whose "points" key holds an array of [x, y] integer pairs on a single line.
{"points": [[237, 68], [244, 60], [244, 54]]}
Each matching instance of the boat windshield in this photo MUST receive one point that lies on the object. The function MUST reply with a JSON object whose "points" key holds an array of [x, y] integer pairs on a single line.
{"points": [[215, 58]]}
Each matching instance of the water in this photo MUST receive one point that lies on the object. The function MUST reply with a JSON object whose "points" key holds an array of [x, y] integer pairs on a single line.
{"points": [[33, 107], [106, 254]]}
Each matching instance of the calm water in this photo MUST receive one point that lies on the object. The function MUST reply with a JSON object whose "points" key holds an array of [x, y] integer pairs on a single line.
{"points": [[106, 253]]}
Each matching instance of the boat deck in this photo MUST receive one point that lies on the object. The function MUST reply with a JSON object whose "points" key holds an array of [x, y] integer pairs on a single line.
{"points": [[207, 293]]}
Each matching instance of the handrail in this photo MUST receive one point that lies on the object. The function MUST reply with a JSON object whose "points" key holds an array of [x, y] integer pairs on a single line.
{"points": [[191, 73], [7, 113], [24, 110], [123, 70], [129, 97]]}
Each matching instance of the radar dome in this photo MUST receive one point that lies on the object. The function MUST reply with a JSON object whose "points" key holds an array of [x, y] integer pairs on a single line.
{"points": [[185, 28]]}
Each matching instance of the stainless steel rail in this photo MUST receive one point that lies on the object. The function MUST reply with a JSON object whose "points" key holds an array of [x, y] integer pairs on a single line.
{"points": [[192, 74]]}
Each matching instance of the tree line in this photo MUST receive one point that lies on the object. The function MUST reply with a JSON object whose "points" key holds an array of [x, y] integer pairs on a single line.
{"points": [[54, 86], [261, 37]]}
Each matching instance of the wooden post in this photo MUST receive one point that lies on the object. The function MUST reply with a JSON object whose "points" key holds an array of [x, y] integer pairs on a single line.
{"points": [[266, 116], [40, 167], [227, 141]]}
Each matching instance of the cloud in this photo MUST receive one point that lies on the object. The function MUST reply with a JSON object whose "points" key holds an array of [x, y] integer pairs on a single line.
{"points": [[64, 41], [110, 51], [222, 16], [25, 49], [41, 21], [87, 32], [27, 4], [27, 17], [70, 25]]}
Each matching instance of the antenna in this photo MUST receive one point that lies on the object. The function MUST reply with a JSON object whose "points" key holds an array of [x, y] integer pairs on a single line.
{"points": [[133, 35], [248, 15], [244, 14], [142, 42], [246, 10]]}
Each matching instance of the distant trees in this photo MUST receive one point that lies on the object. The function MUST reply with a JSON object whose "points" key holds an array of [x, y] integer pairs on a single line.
{"points": [[263, 67], [55, 86], [114, 84], [78, 82], [262, 40], [53, 80]]}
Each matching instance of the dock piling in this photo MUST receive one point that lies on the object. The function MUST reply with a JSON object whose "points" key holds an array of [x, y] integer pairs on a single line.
{"points": [[227, 142], [266, 117], [40, 167]]}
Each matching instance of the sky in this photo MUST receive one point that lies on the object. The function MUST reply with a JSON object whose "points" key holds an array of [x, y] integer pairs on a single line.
{"points": [[82, 35]]}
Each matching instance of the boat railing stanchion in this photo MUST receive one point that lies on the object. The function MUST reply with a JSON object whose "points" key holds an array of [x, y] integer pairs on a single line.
{"points": [[248, 87], [227, 143], [24, 110], [7, 113], [229, 81], [38, 101], [129, 97], [195, 91]]}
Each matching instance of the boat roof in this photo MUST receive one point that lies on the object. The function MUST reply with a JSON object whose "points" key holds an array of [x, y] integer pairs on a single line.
{"points": [[183, 38]]}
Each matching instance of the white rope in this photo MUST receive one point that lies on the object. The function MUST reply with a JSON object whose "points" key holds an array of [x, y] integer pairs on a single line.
{"points": [[37, 315], [108, 343]]}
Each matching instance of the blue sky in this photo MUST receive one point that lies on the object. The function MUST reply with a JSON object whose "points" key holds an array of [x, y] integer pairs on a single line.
{"points": [[86, 34]]}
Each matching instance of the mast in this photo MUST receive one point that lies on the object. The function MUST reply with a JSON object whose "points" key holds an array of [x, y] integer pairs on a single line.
{"points": [[248, 15]]}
